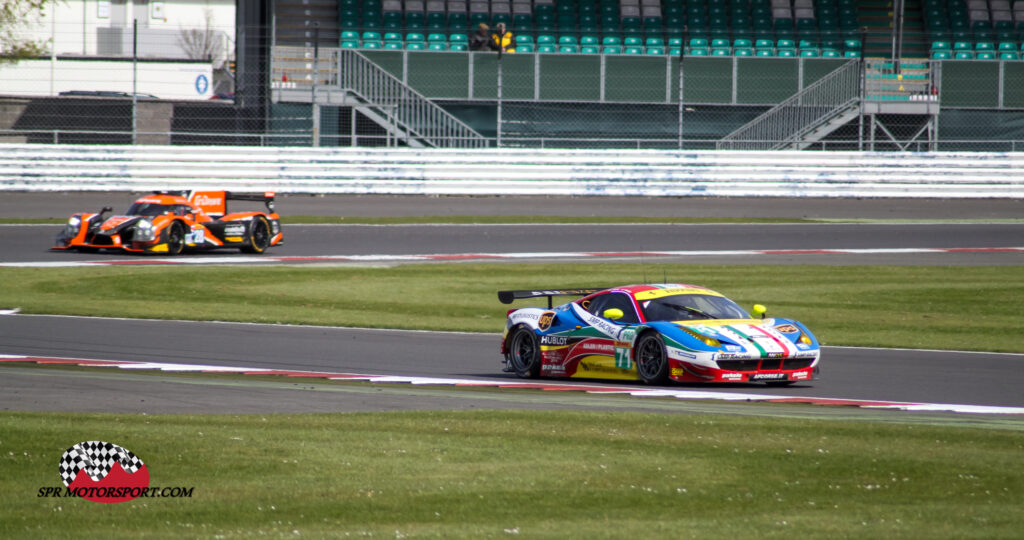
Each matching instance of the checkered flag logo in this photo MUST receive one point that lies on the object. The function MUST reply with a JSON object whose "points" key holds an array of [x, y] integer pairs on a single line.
{"points": [[96, 458]]}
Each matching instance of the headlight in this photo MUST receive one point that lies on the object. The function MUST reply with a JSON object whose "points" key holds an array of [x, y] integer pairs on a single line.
{"points": [[71, 229], [144, 231], [707, 340]]}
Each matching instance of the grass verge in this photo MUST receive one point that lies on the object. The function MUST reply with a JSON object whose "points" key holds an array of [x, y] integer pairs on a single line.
{"points": [[963, 308], [548, 474]]}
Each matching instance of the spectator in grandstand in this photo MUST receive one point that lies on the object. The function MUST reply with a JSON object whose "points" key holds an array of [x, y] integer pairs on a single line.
{"points": [[480, 41], [501, 40]]}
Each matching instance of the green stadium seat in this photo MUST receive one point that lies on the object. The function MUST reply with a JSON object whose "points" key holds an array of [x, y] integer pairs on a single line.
{"points": [[964, 55], [1007, 46], [809, 53], [415, 37], [984, 46], [633, 50], [697, 51], [415, 46], [547, 48], [633, 41], [941, 55], [523, 39], [940, 45], [589, 41], [785, 44], [349, 35], [611, 49], [349, 44], [985, 55], [652, 51], [590, 49], [764, 52], [568, 49], [437, 38], [438, 46], [830, 53], [393, 45], [743, 51], [654, 42], [525, 48], [458, 47], [962, 46], [546, 39], [674, 51], [611, 41], [786, 52], [566, 40], [742, 43], [851, 54], [1009, 55]]}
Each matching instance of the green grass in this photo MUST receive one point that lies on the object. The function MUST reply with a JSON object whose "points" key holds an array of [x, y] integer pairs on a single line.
{"points": [[964, 308], [551, 474]]}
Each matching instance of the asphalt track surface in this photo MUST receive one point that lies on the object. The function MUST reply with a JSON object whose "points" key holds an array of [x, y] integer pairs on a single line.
{"points": [[865, 374]]}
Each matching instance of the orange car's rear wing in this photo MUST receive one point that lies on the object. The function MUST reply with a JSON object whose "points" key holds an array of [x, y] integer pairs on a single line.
{"points": [[215, 203], [507, 297]]}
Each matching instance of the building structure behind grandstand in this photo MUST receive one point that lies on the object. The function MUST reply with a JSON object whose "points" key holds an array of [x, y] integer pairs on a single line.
{"points": [[672, 74]]}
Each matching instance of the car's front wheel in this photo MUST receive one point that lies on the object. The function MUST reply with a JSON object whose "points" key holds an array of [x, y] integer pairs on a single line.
{"points": [[523, 353], [175, 238], [651, 359]]}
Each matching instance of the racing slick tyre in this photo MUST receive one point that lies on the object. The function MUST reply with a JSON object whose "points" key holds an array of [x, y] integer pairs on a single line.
{"points": [[523, 354], [651, 359], [259, 236], [175, 238]]}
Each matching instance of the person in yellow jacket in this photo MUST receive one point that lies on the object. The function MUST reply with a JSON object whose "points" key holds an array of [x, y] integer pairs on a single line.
{"points": [[502, 40]]}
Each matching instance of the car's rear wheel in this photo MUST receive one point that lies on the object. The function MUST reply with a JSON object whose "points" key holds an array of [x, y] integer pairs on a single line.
{"points": [[175, 238], [651, 359], [259, 236], [523, 354]]}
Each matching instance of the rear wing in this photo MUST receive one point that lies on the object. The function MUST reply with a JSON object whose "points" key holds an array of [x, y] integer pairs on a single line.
{"points": [[215, 203], [507, 297]]}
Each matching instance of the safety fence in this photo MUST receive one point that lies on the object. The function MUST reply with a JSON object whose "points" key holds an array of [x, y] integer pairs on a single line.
{"points": [[34, 167]]}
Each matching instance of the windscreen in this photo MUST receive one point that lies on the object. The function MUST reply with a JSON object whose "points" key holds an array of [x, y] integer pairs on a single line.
{"points": [[156, 209], [688, 307]]}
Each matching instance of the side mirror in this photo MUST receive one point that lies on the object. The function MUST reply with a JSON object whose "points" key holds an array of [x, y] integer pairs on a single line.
{"points": [[759, 310], [613, 314]]}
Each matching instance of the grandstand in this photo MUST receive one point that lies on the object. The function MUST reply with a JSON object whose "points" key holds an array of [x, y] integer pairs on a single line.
{"points": [[942, 29]]}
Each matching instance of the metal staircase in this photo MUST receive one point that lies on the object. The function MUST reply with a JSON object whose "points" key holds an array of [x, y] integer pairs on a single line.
{"points": [[346, 78], [394, 105], [806, 117]]}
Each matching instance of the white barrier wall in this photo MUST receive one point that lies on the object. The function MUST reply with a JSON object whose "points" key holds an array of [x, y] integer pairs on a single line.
{"points": [[511, 171]]}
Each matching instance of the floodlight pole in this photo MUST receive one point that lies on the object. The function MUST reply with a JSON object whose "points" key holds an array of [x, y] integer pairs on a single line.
{"points": [[316, 75], [501, 49], [135, 80], [682, 107]]}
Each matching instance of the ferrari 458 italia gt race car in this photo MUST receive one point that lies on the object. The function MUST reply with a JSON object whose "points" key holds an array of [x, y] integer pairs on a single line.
{"points": [[171, 223], [655, 333]]}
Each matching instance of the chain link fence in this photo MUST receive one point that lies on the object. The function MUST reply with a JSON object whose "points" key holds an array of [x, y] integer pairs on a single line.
{"points": [[152, 84]]}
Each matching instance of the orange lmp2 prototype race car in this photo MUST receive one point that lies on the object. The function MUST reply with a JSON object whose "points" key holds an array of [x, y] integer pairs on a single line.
{"points": [[174, 222]]}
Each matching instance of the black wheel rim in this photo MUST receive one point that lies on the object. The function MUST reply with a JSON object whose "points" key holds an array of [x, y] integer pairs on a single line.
{"points": [[175, 239], [649, 358], [523, 351], [260, 235]]}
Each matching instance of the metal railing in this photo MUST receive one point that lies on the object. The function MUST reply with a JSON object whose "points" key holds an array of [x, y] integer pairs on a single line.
{"points": [[805, 111], [415, 117]]}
